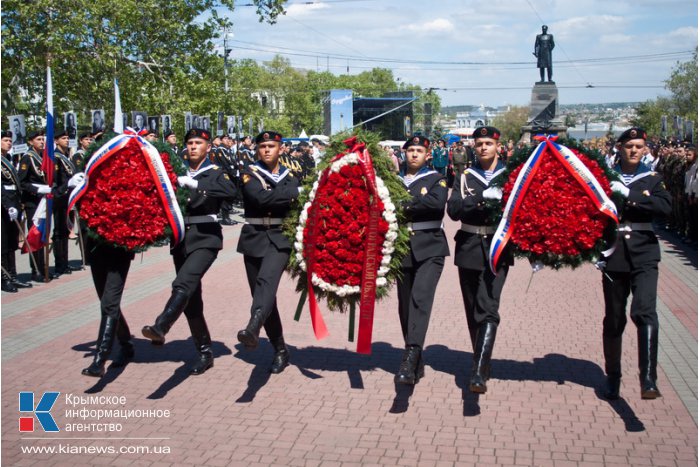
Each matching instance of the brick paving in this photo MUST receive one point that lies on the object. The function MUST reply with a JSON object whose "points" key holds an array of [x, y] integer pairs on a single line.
{"points": [[335, 407]]}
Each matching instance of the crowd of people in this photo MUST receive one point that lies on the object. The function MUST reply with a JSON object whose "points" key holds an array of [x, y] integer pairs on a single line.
{"points": [[677, 161], [265, 175]]}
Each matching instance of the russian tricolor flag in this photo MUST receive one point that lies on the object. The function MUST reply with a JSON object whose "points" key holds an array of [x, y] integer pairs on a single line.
{"points": [[39, 233]]}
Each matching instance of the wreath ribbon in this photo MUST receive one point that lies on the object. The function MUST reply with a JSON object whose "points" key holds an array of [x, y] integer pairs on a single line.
{"points": [[572, 164], [166, 192]]}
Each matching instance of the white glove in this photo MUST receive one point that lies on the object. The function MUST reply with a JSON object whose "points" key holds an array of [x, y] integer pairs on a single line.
{"points": [[13, 213], [619, 187], [301, 189], [187, 181], [42, 189], [76, 180], [537, 266], [493, 193], [601, 264]]}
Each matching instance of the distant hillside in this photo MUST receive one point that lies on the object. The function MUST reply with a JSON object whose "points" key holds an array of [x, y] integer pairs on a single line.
{"points": [[453, 109]]}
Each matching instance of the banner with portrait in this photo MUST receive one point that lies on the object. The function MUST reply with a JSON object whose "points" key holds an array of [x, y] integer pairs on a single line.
{"points": [[19, 134], [70, 125], [98, 120]]}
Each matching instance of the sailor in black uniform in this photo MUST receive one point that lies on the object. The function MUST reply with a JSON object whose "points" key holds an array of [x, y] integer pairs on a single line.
{"points": [[423, 265], [481, 289], [634, 265], [208, 187], [268, 192]]}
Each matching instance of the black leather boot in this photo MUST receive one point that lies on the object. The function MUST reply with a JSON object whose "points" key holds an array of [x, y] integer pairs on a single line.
{"points": [[126, 348], [250, 335], [13, 272], [202, 341], [485, 340], [97, 367], [648, 346], [281, 359], [409, 366], [172, 311], [612, 351], [7, 285]]}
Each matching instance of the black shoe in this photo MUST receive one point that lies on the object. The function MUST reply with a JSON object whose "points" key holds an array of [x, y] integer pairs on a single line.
{"points": [[227, 222], [409, 365], [612, 351], [250, 335], [648, 345], [124, 356], [206, 361], [74, 268], [97, 367], [40, 278], [21, 285], [171, 312], [612, 388], [8, 286], [281, 358], [152, 332], [485, 340]]}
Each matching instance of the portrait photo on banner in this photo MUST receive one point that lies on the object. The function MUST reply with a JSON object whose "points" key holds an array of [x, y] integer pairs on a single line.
{"points": [[153, 124], [188, 121], [139, 120], [165, 123], [98, 120], [70, 124], [19, 133]]}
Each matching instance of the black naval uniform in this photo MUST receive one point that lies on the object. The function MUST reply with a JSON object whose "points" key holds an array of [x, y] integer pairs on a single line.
{"points": [[267, 199], [221, 156], [109, 266], [422, 267], [192, 257], [65, 169], [10, 233], [30, 175], [481, 289], [633, 266]]}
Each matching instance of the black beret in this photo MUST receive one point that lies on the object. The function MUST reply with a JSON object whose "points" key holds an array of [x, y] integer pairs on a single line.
{"points": [[268, 136], [417, 141], [6, 134], [303, 144], [486, 132], [198, 133], [168, 133], [632, 133], [84, 135], [34, 133], [59, 132]]}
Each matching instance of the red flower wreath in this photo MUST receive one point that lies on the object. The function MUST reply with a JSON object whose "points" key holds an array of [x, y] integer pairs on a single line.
{"points": [[121, 204], [344, 215], [558, 223]]}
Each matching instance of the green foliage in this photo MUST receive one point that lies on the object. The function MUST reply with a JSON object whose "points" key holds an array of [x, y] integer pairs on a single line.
{"points": [[158, 52], [683, 85], [511, 122]]}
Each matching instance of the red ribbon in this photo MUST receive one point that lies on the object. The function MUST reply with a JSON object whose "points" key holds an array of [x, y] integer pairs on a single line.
{"points": [[368, 289], [319, 326]]}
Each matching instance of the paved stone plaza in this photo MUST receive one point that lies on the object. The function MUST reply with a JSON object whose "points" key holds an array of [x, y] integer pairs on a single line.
{"points": [[333, 406]]}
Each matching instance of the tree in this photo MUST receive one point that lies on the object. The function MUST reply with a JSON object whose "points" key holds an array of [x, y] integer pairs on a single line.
{"points": [[89, 43], [511, 122], [683, 84]]}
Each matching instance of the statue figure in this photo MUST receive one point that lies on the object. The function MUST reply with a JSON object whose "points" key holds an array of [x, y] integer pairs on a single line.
{"points": [[544, 43]]}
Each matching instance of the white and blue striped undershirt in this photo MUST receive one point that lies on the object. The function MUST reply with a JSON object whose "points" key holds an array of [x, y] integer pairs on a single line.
{"points": [[488, 175], [627, 178]]}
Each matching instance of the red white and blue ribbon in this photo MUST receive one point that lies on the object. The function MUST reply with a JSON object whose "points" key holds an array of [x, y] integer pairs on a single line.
{"points": [[166, 191], [574, 166]]}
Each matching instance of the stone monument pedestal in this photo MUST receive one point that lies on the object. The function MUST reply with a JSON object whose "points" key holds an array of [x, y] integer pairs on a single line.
{"points": [[544, 112]]}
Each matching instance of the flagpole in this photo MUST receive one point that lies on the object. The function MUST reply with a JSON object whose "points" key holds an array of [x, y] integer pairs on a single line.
{"points": [[48, 165]]}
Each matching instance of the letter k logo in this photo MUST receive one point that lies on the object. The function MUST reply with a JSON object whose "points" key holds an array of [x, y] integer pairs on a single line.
{"points": [[26, 404]]}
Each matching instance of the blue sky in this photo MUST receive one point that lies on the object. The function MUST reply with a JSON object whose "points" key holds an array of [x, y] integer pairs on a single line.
{"points": [[497, 35]]}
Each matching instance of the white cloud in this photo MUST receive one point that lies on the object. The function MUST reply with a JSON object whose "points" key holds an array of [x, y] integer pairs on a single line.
{"points": [[436, 26], [305, 9]]}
